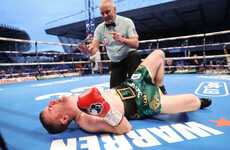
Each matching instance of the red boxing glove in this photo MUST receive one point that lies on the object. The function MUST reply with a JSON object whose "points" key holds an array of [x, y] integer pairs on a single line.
{"points": [[92, 103]]}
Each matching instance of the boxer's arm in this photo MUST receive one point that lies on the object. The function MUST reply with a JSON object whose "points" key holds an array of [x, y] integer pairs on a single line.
{"points": [[92, 103], [96, 124]]}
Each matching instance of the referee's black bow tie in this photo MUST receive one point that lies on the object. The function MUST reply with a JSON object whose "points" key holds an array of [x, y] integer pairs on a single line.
{"points": [[111, 24]]}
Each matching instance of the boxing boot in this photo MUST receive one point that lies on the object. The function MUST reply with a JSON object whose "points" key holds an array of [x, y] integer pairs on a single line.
{"points": [[205, 102], [163, 90], [92, 103]]}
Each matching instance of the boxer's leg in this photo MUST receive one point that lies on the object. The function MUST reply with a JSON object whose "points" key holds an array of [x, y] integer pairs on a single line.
{"points": [[155, 64], [182, 103], [172, 104]]}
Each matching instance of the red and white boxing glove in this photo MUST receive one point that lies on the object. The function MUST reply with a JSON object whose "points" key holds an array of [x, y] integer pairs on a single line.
{"points": [[91, 102]]}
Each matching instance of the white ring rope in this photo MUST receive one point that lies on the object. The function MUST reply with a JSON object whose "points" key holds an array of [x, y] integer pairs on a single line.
{"points": [[196, 66], [39, 42], [82, 69], [185, 47], [61, 53], [197, 57], [144, 41], [39, 53], [186, 37], [42, 63], [107, 61]]}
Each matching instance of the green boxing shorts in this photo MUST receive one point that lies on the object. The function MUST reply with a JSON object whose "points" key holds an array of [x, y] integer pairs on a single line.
{"points": [[141, 91]]}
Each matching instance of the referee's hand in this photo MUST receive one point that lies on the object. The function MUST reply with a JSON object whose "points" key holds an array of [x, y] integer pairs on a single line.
{"points": [[85, 49]]}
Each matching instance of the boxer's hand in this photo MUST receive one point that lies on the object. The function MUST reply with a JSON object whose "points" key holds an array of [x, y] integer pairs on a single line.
{"points": [[92, 103]]}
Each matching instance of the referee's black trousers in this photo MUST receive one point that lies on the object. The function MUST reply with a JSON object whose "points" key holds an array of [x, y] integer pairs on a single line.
{"points": [[124, 69]]}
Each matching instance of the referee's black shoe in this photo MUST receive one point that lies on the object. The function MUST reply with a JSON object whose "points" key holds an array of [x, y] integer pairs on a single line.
{"points": [[205, 102]]}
